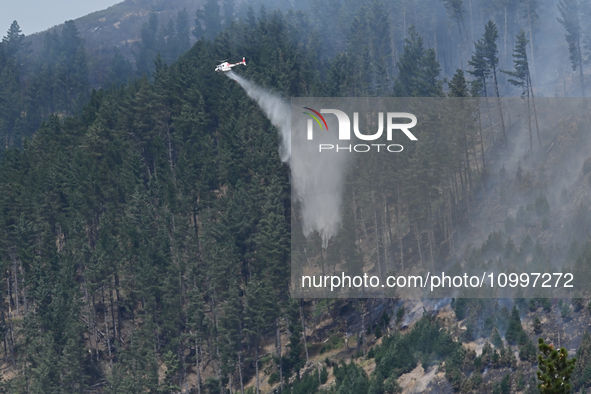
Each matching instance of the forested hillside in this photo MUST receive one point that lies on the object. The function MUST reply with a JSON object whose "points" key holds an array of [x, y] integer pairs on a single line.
{"points": [[145, 227], [53, 71], [57, 77]]}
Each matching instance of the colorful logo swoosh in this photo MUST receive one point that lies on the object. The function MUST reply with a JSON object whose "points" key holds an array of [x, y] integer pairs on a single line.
{"points": [[316, 118]]}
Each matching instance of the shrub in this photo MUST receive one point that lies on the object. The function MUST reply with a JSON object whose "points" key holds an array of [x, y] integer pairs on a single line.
{"points": [[399, 314], [334, 342], [532, 306], [273, 378], [378, 331], [577, 302], [323, 375], [537, 325], [565, 311]]}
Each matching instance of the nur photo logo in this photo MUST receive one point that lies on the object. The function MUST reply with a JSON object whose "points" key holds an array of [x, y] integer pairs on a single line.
{"points": [[392, 121]]}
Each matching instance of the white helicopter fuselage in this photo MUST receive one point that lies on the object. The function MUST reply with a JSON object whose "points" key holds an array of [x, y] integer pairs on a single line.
{"points": [[225, 66]]}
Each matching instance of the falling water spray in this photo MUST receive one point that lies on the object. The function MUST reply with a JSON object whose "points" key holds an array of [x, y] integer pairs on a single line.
{"points": [[317, 180]]}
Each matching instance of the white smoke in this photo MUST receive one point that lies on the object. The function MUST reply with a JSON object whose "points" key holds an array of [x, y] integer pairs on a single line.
{"points": [[276, 110], [317, 180]]}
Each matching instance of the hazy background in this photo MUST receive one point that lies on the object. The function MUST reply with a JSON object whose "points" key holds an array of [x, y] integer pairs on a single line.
{"points": [[38, 15]]}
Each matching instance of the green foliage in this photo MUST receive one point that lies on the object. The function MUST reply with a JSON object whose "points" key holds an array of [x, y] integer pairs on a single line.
{"points": [[537, 324], [532, 306], [399, 314], [334, 342], [496, 339], [425, 341], [121, 69], [515, 329], [504, 386], [378, 331], [581, 377], [212, 385], [350, 379], [208, 22], [384, 319], [273, 378], [458, 86], [294, 359], [172, 368], [308, 384], [323, 375], [520, 76], [391, 386], [527, 351], [582, 265], [570, 20], [545, 303], [56, 81], [153, 227], [555, 369], [519, 382], [418, 70], [565, 311]]}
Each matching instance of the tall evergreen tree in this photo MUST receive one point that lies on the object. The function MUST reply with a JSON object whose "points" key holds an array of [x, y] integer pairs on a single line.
{"points": [[418, 70], [532, 18], [11, 70], [570, 12], [522, 78], [182, 43], [148, 46], [490, 54], [208, 22], [555, 369], [13, 41], [121, 69]]}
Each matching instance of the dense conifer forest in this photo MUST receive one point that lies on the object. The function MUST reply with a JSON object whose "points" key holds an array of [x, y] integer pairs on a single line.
{"points": [[145, 223]]}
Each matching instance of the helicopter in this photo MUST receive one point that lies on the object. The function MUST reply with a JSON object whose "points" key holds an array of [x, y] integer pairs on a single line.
{"points": [[225, 66]]}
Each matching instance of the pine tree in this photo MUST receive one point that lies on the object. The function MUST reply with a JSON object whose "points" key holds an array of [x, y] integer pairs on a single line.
{"points": [[208, 22], [522, 78], [489, 40], [418, 70], [514, 330], [569, 10], [458, 87], [228, 12], [582, 371], [148, 47], [532, 17], [555, 369], [259, 315], [455, 11], [480, 67], [121, 69], [10, 97], [181, 38], [13, 41]]}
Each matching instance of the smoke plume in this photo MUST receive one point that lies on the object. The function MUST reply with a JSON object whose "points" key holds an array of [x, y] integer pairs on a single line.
{"points": [[317, 180], [276, 110]]}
